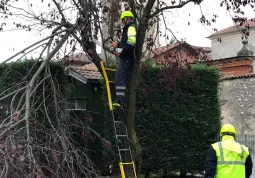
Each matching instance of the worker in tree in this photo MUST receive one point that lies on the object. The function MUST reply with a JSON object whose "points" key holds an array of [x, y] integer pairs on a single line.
{"points": [[125, 48], [228, 158]]}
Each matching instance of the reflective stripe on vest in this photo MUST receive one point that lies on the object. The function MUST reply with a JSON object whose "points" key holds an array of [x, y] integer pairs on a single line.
{"points": [[229, 162], [131, 35], [231, 157], [121, 87], [120, 93]]}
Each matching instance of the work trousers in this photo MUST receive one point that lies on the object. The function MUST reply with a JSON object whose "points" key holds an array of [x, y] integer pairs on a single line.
{"points": [[122, 78]]}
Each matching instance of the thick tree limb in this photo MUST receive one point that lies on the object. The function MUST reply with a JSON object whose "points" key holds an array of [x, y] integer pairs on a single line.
{"points": [[77, 38], [38, 72], [60, 11]]}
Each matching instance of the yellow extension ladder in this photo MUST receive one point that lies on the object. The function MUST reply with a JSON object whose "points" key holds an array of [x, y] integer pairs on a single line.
{"points": [[120, 137]]}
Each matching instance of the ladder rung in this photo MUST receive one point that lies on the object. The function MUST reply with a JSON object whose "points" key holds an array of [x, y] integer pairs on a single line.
{"points": [[124, 149], [121, 135], [127, 163], [110, 69]]}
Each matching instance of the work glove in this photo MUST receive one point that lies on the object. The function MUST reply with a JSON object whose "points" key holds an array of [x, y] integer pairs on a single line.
{"points": [[118, 50], [114, 44]]}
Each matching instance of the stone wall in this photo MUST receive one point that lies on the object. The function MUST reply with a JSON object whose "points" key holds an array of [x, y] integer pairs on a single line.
{"points": [[238, 103]]}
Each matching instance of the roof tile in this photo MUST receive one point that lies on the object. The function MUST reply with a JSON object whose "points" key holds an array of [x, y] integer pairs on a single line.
{"points": [[164, 49], [239, 76], [81, 63], [89, 71], [78, 57], [249, 23]]}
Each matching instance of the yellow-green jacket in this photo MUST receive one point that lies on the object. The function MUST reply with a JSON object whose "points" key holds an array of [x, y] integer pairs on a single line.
{"points": [[128, 41], [228, 159]]}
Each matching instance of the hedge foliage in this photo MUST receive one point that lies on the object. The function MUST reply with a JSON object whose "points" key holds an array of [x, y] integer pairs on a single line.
{"points": [[178, 117], [16, 75]]}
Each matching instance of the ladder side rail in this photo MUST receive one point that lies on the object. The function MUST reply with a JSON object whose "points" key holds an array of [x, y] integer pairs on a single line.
{"points": [[115, 133], [121, 164], [107, 85]]}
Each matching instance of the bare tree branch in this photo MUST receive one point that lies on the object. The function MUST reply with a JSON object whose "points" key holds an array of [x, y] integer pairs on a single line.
{"points": [[12, 93], [60, 11], [171, 7], [23, 50], [31, 83]]}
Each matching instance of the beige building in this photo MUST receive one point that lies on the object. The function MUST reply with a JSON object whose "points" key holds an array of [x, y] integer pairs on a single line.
{"points": [[227, 42], [237, 88]]}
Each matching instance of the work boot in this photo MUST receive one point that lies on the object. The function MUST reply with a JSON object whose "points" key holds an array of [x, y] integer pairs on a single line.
{"points": [[117, 105]]}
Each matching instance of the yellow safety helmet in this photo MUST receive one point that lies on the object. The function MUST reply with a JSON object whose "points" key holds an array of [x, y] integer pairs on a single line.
{"points": [[227, 128], [126, 14]]}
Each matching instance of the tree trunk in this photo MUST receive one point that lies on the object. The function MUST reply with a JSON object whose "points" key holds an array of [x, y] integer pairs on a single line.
{"points": [[147, 174], [133, 86], [130, 120]]}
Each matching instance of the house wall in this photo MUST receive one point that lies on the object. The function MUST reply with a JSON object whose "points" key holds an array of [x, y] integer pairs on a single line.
{"points": [[93, 92], [238, 104], [230, 45], [176, 54]]}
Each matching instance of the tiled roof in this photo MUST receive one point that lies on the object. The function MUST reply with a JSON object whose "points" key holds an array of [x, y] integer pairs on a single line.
{"points": [[207, 49], [239, 76], [89, 71], [160, 50], [77, 57], [231, 59], [81, 64], [163, 49], [249, 23]]}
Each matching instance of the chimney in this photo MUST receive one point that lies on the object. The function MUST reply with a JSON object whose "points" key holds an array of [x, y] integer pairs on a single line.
{"points": [[245, 51], [237, 20], [236, 23]]}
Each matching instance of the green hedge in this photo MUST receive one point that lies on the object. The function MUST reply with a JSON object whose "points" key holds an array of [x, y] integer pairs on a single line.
{"points": [[178, 117], [22, 72], [16, 75]]}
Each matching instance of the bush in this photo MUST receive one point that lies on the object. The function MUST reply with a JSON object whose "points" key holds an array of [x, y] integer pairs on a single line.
{"points": [[178, 116], [48, 143]]}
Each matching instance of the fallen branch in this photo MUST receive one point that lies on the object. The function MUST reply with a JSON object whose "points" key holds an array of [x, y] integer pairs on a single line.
{"points": [[12, 93], [32, 81], [38, 42]]}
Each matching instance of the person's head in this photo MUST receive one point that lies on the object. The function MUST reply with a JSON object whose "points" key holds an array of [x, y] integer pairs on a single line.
{"points": [[228, 129], [126, 17]]}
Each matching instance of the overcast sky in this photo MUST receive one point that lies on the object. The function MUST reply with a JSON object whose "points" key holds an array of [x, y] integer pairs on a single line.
{"points": [[177, 20]]}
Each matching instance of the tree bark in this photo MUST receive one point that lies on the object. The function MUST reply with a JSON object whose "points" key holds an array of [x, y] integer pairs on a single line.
{"points": [[133, 86]]}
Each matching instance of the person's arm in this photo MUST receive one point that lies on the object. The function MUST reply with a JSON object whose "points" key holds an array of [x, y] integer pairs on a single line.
{"points": [[210, 163], [128, 46], [248, 166]]}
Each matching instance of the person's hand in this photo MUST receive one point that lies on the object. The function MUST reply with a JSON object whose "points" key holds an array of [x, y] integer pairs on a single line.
{"points": [[114, 44], [118, 50]]}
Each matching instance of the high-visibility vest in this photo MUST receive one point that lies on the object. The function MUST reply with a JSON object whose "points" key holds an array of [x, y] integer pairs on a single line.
{"points": [[231, 157]]}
